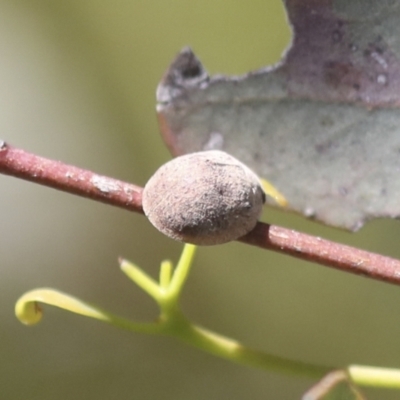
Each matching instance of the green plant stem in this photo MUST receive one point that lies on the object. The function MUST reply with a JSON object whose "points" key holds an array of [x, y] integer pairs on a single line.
{"points": [[234, 351], [182, 271], [126, 324], [173, 323], [375, 377]]}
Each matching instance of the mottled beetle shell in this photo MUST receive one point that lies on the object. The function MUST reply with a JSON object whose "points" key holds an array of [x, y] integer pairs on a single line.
{"points": [[204, 198]]}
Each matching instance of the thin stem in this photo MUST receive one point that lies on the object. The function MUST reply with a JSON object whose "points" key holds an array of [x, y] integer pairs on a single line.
{"points": [[165, 274], [24, 165], [126, 324], [144, 281], [182, 269], [375, 377], [172, 322], [324, 252], [234, 351], [29, 312], [55, 174]]}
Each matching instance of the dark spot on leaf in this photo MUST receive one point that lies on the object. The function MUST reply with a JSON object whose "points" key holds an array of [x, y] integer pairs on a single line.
{"points": [[191, 70], [188, 65], [323, 147], [341, 75], [337, 36], [186, 69], [326, 121]]}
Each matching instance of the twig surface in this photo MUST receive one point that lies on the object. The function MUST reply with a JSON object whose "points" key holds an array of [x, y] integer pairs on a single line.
{"points": [[55, 174]]}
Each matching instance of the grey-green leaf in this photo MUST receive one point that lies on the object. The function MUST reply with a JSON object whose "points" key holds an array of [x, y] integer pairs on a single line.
{"points": [[323, 125]]}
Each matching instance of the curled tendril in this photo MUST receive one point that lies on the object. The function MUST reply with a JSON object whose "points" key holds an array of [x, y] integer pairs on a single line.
{"points": [[172, 322], [166, 293], [29, 312]]}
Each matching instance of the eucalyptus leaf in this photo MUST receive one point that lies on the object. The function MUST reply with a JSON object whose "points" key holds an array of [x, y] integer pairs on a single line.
{"points": [[323, 125]]}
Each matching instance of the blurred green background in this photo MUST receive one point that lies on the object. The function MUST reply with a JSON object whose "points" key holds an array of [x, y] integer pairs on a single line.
{"points": [[77, 83]]}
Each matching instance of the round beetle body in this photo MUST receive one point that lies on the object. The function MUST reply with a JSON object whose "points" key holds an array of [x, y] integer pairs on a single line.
{"points": [[204, 198]]}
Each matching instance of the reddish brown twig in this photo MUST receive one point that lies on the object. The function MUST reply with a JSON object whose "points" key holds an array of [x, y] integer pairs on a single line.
{"points": [[325, 252], [28, 166], [24, 165]]}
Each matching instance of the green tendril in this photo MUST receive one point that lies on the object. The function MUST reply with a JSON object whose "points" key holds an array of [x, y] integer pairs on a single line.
{"points": [[172, 322]]}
